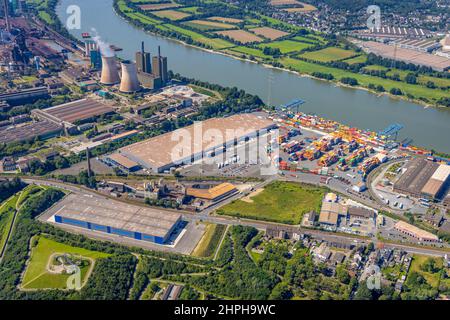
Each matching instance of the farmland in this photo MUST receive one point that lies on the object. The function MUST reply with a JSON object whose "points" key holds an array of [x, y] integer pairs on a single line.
{"points": [[287, 46], [240, 36], [225, 19], [269, 33], [283, 202], [171, 14], [363, 80], [249, 52], [292, 5], [250, 35], [329, 54], [37, 274], [207, 25], [158, 6]]}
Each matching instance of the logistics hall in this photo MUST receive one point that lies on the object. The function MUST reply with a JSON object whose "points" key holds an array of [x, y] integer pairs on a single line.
{"points": [[157, 154], [117, 218]]}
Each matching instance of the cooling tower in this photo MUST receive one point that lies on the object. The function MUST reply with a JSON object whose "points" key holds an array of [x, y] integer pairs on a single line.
{"points": [[110, 74], [130, 82]]}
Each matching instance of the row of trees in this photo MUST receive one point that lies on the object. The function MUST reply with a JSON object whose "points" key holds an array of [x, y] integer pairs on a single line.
{"points": [[242, 278], [8, 187]]}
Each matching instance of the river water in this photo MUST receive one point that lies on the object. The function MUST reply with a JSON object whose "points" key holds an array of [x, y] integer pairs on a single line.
{"points": [[428, 127]]}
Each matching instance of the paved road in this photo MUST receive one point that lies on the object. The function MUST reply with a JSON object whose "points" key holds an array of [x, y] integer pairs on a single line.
{"points": [[260, 225]]}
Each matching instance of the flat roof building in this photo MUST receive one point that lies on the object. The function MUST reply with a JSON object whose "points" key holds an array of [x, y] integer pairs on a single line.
{"points": [[329, 214], [435, 62], [122, 162], [113, 217], [168, 150], [24, 96], [415, 232], [359, 212], [437, 184], [29, 131], [417, 174], [74, 111], [213, 194]]}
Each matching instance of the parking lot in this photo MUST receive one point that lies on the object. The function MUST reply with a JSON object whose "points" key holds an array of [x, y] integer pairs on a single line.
{"points": [[392, 199], [246, 159]]}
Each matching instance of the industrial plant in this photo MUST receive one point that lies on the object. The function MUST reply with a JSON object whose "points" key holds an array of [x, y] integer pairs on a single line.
{"points": [[129, 82], [147, 71]]}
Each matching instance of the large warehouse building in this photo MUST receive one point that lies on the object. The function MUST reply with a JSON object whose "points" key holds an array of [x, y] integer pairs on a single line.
{"points": [[113, 217], [162, 153], [435, 62], [424, 178], [72, 112]]}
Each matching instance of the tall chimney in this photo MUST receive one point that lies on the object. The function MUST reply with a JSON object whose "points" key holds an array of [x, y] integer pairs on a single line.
{"points": [[142, 47], [5, 7], [88, 158]]}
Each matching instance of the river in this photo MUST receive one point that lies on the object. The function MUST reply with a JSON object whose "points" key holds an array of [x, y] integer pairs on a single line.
{"points": [[428, 127]]}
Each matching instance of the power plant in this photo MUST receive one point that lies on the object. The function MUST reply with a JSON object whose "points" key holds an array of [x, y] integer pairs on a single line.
{"points": [[130, 82], [150, 72], [143, 60], [110, 74]]}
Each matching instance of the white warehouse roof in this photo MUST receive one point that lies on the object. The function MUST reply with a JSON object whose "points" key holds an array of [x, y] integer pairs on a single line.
{"points": [[441, 173]]}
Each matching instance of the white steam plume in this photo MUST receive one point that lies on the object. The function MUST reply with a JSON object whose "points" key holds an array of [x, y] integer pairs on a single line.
{"points": [[104, 47]]}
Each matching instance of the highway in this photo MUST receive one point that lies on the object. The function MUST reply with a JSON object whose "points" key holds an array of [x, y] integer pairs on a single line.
{"points": [[260, 225]]}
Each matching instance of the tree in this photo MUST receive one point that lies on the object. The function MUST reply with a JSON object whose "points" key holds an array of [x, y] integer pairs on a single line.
{"points": [[342, 274], [411, 78], [61, 162], [396, 92], [281, 292], [431, 85], [429, 266], [349, 81], [363, 293]]}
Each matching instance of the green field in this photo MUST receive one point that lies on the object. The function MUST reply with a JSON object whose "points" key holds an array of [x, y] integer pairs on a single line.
{"points": [[36, 275], [210, 240], [365, 80], [250, 52], [204, 25], [287, 46], [376, 67], [171, 14], [432, 278], [214, 43], [328, 54], [193, 10], [358, 59], [7, 210], [143, 18], [284, 202], [309, 39]]}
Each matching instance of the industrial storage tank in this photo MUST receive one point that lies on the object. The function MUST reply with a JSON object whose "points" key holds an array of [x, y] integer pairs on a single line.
{"points": [[110, 74], [130, 82]]}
